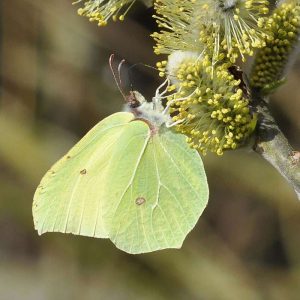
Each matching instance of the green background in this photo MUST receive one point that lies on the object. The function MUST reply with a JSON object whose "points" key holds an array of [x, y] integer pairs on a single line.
{"points": [[55, 85]]}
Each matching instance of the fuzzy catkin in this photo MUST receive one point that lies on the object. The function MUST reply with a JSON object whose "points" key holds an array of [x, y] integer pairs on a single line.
{"points": [[101, 11], [219, 28], [271, 62], [212, 111]]}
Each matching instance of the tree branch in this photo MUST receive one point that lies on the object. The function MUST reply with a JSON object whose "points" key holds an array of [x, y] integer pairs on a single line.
{"points": [[273, 146]]}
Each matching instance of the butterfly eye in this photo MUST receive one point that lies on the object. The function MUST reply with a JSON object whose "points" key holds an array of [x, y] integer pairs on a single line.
{"points": [[132, 100]]}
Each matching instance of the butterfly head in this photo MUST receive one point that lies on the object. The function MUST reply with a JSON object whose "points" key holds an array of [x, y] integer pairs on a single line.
{"points": [[153, 111], [150, 111]]}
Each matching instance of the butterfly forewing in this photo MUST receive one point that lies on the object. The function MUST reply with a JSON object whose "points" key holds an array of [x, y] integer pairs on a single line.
{"points": [[70, 196]]}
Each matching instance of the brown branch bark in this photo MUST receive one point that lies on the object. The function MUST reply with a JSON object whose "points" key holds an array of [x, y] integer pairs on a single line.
{"points": [[273, 146]]}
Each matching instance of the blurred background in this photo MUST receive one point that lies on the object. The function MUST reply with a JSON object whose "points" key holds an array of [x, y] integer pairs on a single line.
{"points": [[56, 84]]}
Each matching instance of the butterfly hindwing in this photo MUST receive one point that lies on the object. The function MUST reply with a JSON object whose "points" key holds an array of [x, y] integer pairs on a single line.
{"points": [[160, 200]]}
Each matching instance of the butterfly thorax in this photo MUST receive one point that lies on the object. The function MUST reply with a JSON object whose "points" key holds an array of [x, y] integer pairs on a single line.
{"points": [[151, 112]]}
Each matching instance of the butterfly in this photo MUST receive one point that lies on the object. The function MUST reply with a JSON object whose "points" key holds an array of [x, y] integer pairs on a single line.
{"points": [[130, 179]]}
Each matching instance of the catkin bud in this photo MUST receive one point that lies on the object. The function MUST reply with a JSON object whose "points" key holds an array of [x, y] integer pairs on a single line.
{"points": [[272, 62]]}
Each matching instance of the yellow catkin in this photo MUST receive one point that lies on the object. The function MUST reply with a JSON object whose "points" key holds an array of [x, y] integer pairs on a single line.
{"points": [[211, 110], [219, 28], [100, 11], [270, 63]]}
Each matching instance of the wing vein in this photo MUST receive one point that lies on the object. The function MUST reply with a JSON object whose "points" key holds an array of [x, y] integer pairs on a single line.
{"points": [[163, 213], [99, 201], [180, 205], [96, 137], [133, 173], [157, 194], [179, 171]]}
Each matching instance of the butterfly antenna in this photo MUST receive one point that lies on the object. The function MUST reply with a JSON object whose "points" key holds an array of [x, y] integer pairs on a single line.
{"points": [[117, 79], [119, 71], [148, 66]]}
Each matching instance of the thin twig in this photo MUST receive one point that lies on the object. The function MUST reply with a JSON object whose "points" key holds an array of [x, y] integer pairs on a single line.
{"points": [[273, 146]]}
